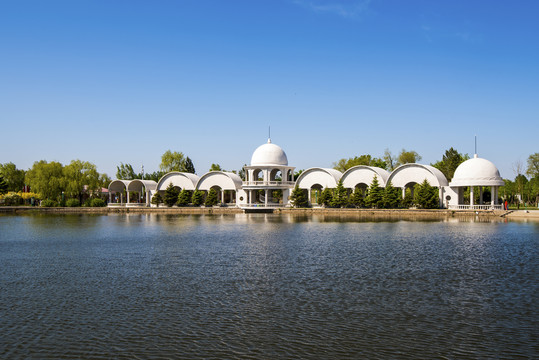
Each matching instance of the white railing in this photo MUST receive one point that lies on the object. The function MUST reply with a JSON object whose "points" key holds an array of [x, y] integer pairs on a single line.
{"points": [[268, 183], [115, 204], [261, 206], [475, 207], [136, 205]]}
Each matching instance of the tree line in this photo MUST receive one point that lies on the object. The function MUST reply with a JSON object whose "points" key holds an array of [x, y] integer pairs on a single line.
{"points": [[375, 197]]}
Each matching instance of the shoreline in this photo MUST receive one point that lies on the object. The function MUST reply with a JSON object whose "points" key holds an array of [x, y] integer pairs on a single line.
{"points": [[347, 213]]}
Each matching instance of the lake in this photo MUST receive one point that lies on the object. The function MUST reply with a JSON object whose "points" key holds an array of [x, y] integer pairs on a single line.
{"points": [[265, 286]]}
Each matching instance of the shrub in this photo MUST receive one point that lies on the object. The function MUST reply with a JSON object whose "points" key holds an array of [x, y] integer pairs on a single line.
{"points": [[299, 198], [171, 195], [325, 197], [49, 203], [211, 199], [198, 198], [157, 199], [72, 203], [357, 198], [97, 202], [184, 198], [426, 196]]}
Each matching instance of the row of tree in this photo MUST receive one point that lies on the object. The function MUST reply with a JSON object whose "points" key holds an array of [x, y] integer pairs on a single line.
{"points": [[375, 196], [173, 196]]}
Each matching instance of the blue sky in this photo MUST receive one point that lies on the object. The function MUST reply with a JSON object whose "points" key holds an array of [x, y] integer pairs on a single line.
{"points": [[124, 80]]}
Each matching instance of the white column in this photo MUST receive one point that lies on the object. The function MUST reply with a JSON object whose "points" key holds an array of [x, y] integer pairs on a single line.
{"points": [[404, 192], [471, 196], [121, 197], [309, 195], [222, 196], [110, 196], [266, 198]]}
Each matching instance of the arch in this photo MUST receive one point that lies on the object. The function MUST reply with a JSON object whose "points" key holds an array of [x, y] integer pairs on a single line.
{"points": [[408, 173], [119, 185], [323, 176], [139, 185], [273, 174], [182, 180], [225, 180], [362, 174]]}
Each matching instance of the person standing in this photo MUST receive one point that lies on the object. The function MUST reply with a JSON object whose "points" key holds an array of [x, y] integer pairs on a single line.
{"points": [[505, 205]]}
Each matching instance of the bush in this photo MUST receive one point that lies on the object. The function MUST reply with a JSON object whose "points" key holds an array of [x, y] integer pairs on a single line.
{"points": [[198, 198], [157, 199], [171, 195], [97, 202], [184, 198], [299, 198], [49, 203], [13, 199], [211, 199], [72, 203]]}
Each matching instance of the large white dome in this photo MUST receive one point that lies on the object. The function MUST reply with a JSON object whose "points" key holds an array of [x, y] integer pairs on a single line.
{"points": [[269, 154], [477, 172]]}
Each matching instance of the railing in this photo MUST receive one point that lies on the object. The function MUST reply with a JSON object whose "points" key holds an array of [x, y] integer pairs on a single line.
{"points": [[269, 183], [475, 207], [243, 206], [116, 205], [136, 205]]}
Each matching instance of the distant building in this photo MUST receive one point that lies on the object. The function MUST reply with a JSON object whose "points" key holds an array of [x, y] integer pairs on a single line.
{"points": [[269, 181]]}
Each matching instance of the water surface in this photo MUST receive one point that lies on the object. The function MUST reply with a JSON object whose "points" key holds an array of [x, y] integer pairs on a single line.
{"points": [[265, 286]]}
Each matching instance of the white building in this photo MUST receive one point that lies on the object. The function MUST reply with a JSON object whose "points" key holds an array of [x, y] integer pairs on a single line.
{"points": [[269, 181]]}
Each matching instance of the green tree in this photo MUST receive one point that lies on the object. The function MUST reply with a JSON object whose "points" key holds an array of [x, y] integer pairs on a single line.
{"points": [[408, 200], [157, 199], [184, 198], [155, 176], [125, 172], [449, 163], [407, 157], [216, 167], [344, 164], [172, 161], [211, 199], [390, 160], [426, 196], [391, 196], [3, 185], [189, 167], [374, 196], [171, 195], [533, 166], [198, 198], [298, 198], [78, 174], [340, 196], [13, 177], [47, 179], [357, 198], [326, 197]]}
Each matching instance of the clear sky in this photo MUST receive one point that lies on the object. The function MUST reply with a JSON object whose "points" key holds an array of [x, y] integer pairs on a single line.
{"points": [[124, 80]]}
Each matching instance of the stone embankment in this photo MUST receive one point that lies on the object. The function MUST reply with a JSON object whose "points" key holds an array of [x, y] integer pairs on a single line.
{"points": [[390, 214]]}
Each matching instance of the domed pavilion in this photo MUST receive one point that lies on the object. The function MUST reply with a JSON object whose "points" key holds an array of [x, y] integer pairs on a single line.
{"points": [[476, 173], [268, 179]]}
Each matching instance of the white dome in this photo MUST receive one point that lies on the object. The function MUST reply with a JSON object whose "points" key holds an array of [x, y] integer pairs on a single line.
{"points": [[477, 172], [269, 154]]}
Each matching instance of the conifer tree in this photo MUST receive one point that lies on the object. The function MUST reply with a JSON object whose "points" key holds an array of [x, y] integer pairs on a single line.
{"points": [[198, 198], [391, 196], [211, 199], [188, 166], [340, 196], [326, 197], [426, 196], [408, 200], [374, 195], [157, 199], [184, 198], [298, 198], [357, 198], [171, 195]]}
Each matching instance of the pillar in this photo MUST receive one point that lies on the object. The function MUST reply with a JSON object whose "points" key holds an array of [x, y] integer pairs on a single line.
{"points": [[110, 196], [266, 197], [222, 196], [309, 196], [471, 197], [404, 192]]}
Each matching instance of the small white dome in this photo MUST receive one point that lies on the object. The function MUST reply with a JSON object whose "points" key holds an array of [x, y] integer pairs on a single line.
{"points": [[477, 172], [269, 154]]}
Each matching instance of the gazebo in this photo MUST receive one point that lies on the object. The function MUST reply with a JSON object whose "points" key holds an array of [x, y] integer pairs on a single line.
{"points": [[476, 173], [268, 173]]}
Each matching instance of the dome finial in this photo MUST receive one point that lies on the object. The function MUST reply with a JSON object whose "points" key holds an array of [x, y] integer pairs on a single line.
{"points": [[269, 134]]}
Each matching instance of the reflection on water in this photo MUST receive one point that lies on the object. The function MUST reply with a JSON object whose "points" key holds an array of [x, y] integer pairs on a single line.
{"points": [[266, 286]]}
